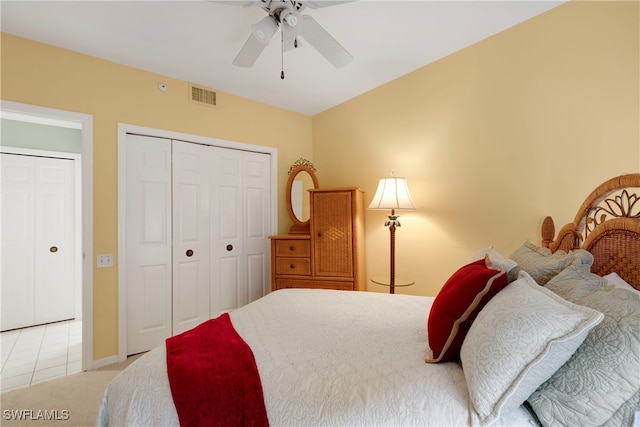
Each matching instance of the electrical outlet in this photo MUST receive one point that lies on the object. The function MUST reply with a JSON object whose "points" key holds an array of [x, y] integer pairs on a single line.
{"points": [[105, 260]]}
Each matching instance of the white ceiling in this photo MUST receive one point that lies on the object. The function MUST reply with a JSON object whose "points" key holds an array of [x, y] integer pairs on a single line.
{"points": [[196, 41]]}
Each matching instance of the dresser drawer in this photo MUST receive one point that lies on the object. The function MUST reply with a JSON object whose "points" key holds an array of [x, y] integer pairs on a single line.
{"points": [[293, 248], [314, 284], [293, 266]]}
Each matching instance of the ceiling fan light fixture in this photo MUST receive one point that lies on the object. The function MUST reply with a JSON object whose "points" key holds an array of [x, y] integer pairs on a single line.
{"points": [[264, 30]]}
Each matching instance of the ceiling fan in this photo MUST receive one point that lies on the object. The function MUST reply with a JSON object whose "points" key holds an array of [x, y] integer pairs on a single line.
{"points": [[286, 14]]}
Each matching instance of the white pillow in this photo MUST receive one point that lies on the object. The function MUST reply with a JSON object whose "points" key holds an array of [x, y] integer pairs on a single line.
{"points": [[615, 280], [519, 339], [596, 386], [542, 264], [497, 260]]}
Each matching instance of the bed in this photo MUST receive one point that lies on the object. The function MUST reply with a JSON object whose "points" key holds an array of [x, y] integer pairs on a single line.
{"points": [[536, 338]]}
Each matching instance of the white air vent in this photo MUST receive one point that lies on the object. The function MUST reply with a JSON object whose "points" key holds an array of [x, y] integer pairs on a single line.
{"points": [[202, 95]]}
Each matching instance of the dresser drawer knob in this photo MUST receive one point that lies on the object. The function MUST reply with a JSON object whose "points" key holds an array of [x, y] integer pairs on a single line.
{"points": [[292, 248], [292, 266]]}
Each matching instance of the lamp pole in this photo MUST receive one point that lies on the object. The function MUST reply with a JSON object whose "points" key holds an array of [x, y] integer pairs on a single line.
{"points": [[392, 222]]}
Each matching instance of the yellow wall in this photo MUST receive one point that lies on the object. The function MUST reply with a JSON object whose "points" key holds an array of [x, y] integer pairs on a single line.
{"points": [[34, 73], [492, 138]]}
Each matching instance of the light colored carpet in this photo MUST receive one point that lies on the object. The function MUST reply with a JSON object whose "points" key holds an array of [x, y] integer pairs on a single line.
{"points": [[68, 401]]}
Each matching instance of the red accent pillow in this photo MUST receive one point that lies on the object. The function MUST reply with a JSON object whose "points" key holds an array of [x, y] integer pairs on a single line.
{"points": [[457, 305]]}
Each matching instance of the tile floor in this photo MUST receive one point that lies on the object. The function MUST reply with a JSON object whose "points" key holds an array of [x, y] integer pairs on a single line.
{"points": [[40, 353]]}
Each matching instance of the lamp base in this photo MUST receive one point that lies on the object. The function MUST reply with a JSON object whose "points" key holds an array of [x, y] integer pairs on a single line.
{"points": [[399, 281]]}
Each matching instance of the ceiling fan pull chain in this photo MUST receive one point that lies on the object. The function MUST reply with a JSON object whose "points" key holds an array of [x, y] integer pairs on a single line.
{"points": [[282, 55]]}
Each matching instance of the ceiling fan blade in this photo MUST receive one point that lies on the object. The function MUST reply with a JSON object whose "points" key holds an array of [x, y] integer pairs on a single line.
{"points": [[243, 3], [249, 53], [261, 34], [324, 43], [317, 4]]}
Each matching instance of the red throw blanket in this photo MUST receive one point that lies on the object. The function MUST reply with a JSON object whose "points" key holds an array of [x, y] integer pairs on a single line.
{"points": [[214, 378]]}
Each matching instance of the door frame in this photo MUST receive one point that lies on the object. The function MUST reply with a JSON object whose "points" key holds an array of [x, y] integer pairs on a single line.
{"points": [[123, 130], [56, 117]]}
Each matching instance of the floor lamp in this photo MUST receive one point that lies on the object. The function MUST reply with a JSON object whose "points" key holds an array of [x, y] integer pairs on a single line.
{"points": [[392, 193]]}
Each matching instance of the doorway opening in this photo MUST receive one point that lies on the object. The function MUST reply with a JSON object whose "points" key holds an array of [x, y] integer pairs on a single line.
{"points": [[76, 334]]}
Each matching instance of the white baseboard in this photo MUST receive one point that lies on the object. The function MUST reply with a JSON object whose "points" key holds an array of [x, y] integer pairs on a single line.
{"points": [[100, 363]]}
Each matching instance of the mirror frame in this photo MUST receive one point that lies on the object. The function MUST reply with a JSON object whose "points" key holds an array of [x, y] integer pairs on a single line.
{"points": [[301, 165]]}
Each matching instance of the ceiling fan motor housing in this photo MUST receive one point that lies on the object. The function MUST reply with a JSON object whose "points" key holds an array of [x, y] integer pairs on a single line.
{"points": [[283, 12], [289, 17]]}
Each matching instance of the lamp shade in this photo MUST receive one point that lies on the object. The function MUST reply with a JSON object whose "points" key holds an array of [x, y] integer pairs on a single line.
{"points": [[392, 193]]}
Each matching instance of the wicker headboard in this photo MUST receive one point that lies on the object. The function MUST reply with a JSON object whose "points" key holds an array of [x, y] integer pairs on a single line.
{"points": [[607, 225]]}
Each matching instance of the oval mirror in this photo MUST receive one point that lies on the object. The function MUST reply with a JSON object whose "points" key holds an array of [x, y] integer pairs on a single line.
{"points": [[302, 177]]}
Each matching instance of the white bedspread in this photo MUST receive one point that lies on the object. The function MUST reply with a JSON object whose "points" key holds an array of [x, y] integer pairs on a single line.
{"points": [[325, 358]]}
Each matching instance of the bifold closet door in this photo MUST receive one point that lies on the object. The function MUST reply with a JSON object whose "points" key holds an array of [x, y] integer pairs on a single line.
{"points": [[226, 230], [241, 195], [168, 244], [196, 235], [148, 242], [191, 236], [18, 235], [38, 240], [257, 214], [55, 248]]}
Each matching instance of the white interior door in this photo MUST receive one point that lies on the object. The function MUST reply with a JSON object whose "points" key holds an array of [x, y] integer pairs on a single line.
{"points": [[55, 249], [18, 235], [191, 237], [148, 242]]}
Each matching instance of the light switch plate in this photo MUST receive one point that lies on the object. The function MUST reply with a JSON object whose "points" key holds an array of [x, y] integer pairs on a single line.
{"points": [[105, 260]]}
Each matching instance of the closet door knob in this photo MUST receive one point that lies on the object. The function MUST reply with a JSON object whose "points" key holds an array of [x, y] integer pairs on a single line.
{"points": [[229, 248], [53, 249], [189, 252]]}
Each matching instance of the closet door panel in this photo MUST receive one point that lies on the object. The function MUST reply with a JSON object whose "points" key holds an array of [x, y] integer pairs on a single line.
{"points": [[148, 242], [18, 178], [257, 196], [257, 276], [54, 240], [227, 280], [191, 236], [227, 296]]}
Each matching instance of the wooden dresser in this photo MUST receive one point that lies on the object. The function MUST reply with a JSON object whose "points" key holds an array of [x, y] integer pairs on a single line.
{"points": [[331, 256]]}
